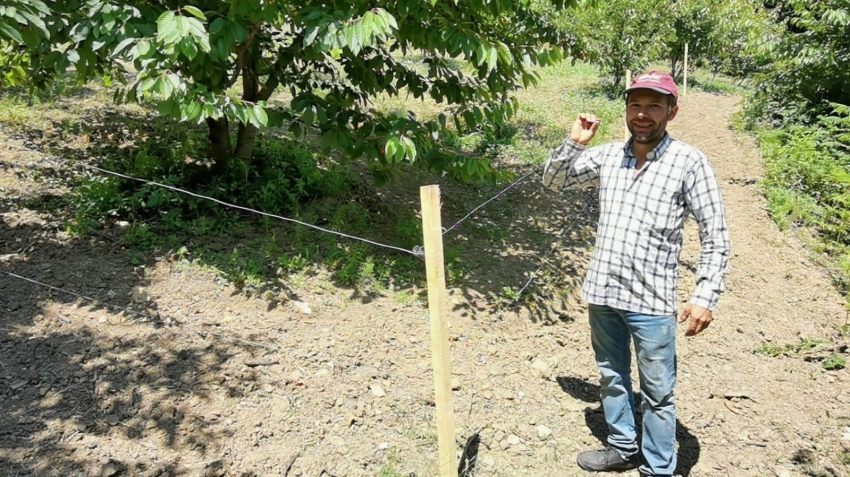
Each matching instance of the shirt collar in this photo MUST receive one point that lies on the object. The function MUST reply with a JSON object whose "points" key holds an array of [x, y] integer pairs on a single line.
{"points": [[654, 154]]}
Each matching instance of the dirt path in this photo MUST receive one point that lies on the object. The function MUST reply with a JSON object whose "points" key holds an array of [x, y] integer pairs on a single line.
{"points": [[217, 383]]}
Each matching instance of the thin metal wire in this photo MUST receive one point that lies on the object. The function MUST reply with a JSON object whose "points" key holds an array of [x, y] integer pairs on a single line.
{"points": [[147, 315], [61, 290], [468, 215], [553, 248], [415, 253]]}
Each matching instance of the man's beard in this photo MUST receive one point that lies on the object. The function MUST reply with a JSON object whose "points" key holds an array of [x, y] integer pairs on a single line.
{"points": [[654, 133]]}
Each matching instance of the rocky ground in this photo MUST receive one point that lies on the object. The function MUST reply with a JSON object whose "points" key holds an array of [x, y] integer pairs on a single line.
{"points": [[201, 380]]}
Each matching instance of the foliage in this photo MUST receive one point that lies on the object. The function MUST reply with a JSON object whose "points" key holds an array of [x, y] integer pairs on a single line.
{"points": [[808, 182], [625, 35], [618, 35], [808, 347], [810, 56], [333, 59], [802, 113]]}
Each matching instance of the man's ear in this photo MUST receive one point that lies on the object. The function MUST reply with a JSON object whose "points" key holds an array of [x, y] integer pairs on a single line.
{"points": [[671, 114]]}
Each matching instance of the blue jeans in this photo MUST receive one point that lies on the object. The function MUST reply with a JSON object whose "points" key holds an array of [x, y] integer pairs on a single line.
{"points": [[655, 345]]}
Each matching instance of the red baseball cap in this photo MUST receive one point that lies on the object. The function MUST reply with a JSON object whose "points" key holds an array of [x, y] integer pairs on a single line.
{"points": [[656, 81]]}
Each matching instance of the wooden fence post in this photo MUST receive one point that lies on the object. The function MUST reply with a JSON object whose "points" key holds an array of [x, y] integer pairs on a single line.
{"points": [[432, 229], [626, 132], [685, 92]]}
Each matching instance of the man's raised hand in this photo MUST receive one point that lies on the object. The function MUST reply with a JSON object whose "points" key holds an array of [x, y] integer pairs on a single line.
{"points": [[584, 128]]}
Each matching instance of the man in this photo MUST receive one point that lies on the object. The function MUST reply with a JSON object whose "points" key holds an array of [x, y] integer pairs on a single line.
{"points": [[647, 188]]}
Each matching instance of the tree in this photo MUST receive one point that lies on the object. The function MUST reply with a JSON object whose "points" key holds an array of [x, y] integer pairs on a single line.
{"points": [[620, 35], [810, 57], [332, 58]]}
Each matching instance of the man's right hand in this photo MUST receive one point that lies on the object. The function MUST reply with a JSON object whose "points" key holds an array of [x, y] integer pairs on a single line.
{"points": [[584, 128]]}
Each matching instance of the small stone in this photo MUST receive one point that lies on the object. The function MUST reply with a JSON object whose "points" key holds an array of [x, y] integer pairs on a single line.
{"points": [[488, 462], [543, 432], [377, 390], [488, 395], [151, 424], [323, 372], [111, 293], [513, 440], [112, 419], [302, 307], [782, 472], [541, 368], [140, 295], [455, 384], [295, 376], [383, 446], [108, 470]]}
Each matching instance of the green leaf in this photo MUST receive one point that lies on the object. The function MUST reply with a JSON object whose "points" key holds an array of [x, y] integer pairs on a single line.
{"points": [[182, 26], [142, 48], [121, 46], [166, 26], [310, 36], [193, 110], [493, 57], [261, 115], [195, 11], [409, 148], [189, 49], [398, 156], [11, 32], [391, 147], [145, 84], [36, 22], [216, 26]]}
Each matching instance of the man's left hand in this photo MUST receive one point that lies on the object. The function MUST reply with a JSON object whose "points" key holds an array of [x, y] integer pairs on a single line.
{"points": [[700, 318]]}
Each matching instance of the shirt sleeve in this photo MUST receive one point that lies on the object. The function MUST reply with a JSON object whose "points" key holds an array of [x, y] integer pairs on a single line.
{"points": [[572, 166], [702, 193]]}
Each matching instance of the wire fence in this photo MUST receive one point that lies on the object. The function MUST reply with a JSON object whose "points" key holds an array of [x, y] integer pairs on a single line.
{"points": [[416, 251]]}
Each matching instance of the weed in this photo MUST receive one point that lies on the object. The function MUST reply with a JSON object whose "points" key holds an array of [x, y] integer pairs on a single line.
{"points": [[834, 362]]}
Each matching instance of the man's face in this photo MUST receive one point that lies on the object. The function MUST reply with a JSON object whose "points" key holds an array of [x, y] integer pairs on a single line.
{"points": [[647, 113]]}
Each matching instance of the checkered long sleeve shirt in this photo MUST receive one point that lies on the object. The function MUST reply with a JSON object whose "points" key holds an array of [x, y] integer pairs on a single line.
{"points": [[635, 264]]}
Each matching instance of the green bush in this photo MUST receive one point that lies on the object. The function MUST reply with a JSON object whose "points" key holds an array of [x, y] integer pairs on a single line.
{"points": [[808, 183]]}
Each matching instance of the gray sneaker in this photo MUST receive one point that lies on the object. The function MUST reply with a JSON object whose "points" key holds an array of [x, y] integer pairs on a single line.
{"points": [[606, 460]]}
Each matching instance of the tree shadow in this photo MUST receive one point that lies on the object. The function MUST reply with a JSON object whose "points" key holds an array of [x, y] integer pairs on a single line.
{"points": [[72, 373], [263, 257], [585, 391]]}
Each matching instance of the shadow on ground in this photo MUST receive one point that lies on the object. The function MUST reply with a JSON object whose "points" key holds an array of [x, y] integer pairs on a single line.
{"points": [[71, 375], [529, 232], [689, 447]]}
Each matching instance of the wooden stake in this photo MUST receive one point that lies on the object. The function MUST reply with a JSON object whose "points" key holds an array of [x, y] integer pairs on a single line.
{"points": [[432, 229], [685, 90], [626, 132]]}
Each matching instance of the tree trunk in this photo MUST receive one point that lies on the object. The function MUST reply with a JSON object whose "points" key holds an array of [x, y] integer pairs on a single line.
{"points": [[220, 146], [673, 71], [245, 139]]}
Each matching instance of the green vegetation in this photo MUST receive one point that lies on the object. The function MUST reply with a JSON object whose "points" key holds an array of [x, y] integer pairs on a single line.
{"points": [[801, 115], [219, 63]]}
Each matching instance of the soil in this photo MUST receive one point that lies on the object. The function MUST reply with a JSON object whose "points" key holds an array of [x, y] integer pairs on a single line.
{"points": [[208, 381]]}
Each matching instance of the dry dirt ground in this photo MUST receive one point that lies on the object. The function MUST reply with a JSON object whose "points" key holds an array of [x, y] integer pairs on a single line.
{"points": [[214, 383]]}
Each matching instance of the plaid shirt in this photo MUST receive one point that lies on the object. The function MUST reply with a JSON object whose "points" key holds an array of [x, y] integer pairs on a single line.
{"points": [[635, 264]]}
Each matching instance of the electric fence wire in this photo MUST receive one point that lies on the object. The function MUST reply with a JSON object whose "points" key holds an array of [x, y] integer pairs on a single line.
{"points": [[586, 200], [497, 196], [417, 251], [247, 209]]}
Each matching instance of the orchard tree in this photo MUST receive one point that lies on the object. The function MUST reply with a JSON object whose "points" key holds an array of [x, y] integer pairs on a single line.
{"points": [[332, 58], [620, 35]]}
